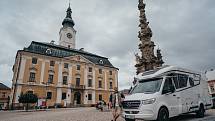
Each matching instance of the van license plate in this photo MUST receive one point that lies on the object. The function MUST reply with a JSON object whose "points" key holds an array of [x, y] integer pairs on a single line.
{"points": [[129, 116]]}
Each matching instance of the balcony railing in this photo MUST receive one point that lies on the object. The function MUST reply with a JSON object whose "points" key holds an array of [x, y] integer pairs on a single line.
{"points": [[77, 86]]}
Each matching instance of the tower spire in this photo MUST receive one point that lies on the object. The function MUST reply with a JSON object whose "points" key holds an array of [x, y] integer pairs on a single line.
{"points": [[147, 60], [67, 32], [68, 21]]}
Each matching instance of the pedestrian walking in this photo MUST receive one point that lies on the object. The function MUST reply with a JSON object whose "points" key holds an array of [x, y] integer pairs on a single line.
{"points": [[110, 101], [116, 102]]}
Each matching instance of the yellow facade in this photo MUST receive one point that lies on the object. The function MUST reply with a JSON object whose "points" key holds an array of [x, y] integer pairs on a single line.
{"points": [[4, 94], [42, 69]]}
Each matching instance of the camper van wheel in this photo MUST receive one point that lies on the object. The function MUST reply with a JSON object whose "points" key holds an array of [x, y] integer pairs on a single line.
{"points": [[163, 114], [201, 112]]}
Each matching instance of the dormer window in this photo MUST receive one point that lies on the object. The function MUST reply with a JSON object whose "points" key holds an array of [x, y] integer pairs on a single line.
{"points": [[101, 62], [49, 51]]}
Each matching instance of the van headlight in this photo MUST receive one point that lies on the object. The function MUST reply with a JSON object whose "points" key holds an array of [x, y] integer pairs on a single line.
{"points": [[148, 101]]}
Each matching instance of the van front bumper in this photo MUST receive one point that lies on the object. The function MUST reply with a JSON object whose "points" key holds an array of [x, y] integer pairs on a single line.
{"points": [[145, 115]]}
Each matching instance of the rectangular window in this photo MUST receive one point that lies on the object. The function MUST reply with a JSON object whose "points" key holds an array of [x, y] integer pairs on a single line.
{"points": [[100, 84], [32, 77], [50, 79], [3, 94], [180, 80], [49, 95], [110, 72], [63, 96], [89, 96], [100, 71], [111, 85], [66, 65], [34, 60], [191, 82], [77, 81], [30, 92], [89, 82], [65, 80], [52, 63], [90, 69], [78, 67], [100, 97], [197, 79], [168, 86]]}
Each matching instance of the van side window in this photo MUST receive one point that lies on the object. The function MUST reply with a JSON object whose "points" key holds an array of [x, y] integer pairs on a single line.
{"points": [[182, 80], [168, 86], [196, 79], [176, 82], [191, 81]]}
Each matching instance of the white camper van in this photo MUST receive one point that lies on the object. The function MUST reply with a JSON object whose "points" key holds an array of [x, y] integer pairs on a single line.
{"points": [[167, 92]]}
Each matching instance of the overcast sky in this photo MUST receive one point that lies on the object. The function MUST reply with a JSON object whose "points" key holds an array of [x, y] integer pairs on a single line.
{"points": [[183, 29]]}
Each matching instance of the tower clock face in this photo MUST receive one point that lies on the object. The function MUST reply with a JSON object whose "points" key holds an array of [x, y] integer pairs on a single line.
{"points": [[69, 35]]}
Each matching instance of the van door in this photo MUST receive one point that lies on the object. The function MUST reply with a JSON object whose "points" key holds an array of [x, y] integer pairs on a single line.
{"points": [[170, 97]]}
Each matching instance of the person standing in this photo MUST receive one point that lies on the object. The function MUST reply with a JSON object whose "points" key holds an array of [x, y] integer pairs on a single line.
{"points": [[116, 102], [110, 101]]}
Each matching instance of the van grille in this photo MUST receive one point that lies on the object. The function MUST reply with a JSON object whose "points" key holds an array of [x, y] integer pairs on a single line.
{"points": [[131, 112], [134, 104]]}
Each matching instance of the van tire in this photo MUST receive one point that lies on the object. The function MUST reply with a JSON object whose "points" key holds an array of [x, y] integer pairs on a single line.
{"points": [[163, 114], [129, 119], [201, 112]]}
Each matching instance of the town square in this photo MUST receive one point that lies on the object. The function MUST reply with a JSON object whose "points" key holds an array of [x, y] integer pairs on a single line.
{"points": [[102, 60]]}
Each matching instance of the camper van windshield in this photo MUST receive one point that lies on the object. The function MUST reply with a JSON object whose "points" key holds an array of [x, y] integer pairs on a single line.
{"points": [[148, 86]]}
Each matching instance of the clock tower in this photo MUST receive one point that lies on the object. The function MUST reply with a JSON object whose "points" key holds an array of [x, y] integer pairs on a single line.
{"points": [[67, 32]]}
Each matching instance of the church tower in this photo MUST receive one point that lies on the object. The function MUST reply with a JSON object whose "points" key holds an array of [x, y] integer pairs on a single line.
{"points": [[67, 32], [147, 60]]}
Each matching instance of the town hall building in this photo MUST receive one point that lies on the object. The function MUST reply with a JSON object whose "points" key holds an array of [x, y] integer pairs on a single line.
{"points": [[62, 74]]}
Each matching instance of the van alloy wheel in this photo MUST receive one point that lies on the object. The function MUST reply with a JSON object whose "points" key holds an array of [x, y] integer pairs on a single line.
{"points": [[163, 115]]}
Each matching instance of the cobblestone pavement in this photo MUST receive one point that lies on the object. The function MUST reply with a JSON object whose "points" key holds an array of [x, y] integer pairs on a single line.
{"points": [[80, 114]]}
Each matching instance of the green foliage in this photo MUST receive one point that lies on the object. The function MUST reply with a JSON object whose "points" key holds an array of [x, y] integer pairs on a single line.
{"points": [[28, 98]]}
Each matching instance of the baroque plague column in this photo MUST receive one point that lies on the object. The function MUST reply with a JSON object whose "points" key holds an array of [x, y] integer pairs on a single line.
{"points": [[147, 60]]}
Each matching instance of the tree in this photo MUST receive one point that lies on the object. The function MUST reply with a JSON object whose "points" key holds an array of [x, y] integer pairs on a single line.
{"points": [[28, 98]]}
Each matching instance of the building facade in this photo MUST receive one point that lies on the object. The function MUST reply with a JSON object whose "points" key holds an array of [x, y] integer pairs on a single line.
{"points": [[147, 59], [61, 74], [4, 96]]}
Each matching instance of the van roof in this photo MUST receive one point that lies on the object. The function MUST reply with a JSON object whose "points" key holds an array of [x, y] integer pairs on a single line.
{"points": [[161, 70]]}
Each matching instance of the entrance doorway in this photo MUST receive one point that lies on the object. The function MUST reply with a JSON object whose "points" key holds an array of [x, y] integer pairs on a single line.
{"points": [[77, 97]]}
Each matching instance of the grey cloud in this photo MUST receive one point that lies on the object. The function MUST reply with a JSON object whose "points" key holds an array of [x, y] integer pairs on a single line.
{"points": [[183, 29]]}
